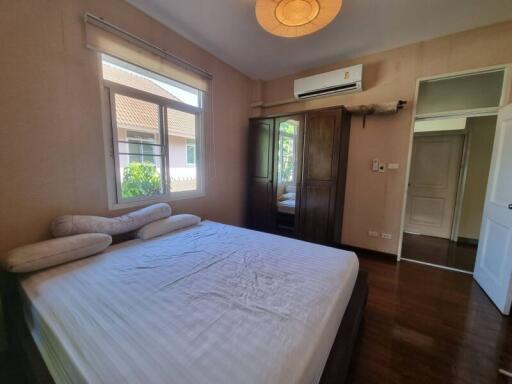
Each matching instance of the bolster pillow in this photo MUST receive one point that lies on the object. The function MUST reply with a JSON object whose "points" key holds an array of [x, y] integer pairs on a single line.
{"points": [[167, 225], [76, 224], [49, 253]]}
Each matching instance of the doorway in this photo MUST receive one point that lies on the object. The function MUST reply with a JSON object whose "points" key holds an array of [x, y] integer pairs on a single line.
{"points": [[452, 144]]}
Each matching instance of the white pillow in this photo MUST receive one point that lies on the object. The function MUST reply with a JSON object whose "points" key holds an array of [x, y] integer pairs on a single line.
{"points": [[167, 225], [288, 196], [53, 252], [76, 224]]}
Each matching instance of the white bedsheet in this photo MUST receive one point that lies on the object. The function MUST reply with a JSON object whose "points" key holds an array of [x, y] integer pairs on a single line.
{"points": [[208, 304], [286, 206]]}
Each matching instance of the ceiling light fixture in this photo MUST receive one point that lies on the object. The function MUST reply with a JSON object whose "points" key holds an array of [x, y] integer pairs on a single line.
{"points": [[294, 18]]}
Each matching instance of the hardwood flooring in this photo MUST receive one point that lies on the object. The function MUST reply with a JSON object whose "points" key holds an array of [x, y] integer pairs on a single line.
{"points": [[428, 325], [422, 325], [439, 251], [10, 370]]}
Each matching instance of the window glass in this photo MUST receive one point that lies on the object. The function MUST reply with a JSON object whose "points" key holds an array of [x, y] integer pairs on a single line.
{"points": [[182, 127], [473, 91], [132, 76], [141, 146], [140, 162], [156, 133], [191, 151]]}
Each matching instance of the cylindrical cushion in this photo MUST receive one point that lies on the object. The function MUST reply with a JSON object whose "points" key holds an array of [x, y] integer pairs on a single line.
{"points": [[53, 252], [375, 109], [167, 225], [77, 224]]}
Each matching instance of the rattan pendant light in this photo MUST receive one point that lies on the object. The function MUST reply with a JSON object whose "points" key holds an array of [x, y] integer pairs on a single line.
{"points": [[294, 18]]}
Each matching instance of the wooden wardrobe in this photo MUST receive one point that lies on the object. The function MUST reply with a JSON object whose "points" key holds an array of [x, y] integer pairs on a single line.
{"points": [[316, 175]]}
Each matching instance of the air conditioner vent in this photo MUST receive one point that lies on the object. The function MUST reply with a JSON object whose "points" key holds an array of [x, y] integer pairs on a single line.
{"points": [[329, 90]]}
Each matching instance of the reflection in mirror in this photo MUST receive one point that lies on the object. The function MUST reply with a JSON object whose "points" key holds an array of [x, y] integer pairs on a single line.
{"points": [[287, 173]]}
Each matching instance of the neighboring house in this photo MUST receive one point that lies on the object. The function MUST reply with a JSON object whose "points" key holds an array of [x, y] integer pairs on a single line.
{"points": [[137, 127]]}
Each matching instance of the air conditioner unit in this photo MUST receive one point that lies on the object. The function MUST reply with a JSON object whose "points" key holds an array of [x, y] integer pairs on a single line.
{"points": [[339, 81]]}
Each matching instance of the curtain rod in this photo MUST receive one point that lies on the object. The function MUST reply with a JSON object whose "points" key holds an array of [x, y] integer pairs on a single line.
{"points": [[105, 25]]}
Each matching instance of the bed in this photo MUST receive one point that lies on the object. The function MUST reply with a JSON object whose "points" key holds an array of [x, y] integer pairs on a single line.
{"points": [[209, 304], [286, 206], [286, 202]]}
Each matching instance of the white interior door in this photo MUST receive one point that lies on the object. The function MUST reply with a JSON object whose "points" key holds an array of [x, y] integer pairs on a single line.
{"points": [[493, 269], [433, 181]]}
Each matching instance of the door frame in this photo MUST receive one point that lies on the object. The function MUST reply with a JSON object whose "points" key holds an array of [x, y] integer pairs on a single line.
{"points": [[505, 96]]}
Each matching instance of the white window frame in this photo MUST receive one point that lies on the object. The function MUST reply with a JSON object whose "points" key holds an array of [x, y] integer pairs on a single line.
{"points": [[115, 199]]}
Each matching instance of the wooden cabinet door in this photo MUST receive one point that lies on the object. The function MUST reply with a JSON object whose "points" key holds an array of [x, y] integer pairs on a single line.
{"points": [[260, 187], [323, 179]]}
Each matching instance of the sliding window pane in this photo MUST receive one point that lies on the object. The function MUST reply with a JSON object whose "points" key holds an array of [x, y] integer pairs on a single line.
{"points": [[182, 131], [140, 147]]}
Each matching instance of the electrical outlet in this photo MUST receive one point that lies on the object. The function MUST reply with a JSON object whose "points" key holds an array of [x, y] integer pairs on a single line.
{"points": [[373, 233], [386, 236], [382, 168]]}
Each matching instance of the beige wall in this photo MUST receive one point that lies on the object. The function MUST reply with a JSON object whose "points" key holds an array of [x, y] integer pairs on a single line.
{"points": [[52, 143], [375, 200], [482, 137]]}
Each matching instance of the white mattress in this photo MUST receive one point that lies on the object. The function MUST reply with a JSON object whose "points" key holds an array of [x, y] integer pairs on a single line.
{"points": [[286, 206], [209, 304]]}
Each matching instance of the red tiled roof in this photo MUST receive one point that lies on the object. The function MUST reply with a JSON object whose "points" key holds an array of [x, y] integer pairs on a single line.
{"points": [[132, 113], [129, 79], [138, 114], [181, 124]]}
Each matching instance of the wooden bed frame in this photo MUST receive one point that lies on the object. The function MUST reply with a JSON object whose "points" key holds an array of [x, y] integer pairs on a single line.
{"points": [[23, 348]]}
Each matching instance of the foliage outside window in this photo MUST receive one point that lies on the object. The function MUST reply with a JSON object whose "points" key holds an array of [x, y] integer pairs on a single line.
{"points": [[141, 179]]}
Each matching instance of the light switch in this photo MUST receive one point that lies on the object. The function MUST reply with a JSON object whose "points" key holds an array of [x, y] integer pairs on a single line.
{"points": [[375, 165], [393, 166]]}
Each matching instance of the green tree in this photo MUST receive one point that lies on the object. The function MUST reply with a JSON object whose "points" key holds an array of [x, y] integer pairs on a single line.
{"points": [[141, 179]]}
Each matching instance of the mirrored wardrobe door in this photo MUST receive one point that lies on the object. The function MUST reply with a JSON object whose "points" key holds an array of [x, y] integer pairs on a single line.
{"points": [[288, 170]]}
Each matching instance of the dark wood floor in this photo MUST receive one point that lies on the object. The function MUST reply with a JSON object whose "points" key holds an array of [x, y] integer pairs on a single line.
{"points": [[422, 325], [10, 371], [428, 325], [439, 251]]}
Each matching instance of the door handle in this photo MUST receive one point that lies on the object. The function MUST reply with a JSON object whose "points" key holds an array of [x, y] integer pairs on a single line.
{"points": [[510, 206]]}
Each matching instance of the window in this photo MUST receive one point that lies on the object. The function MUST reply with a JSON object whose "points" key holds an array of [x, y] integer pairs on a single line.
{"points": [[470, 91], [140, 147], [156, 135], [191, 152]]}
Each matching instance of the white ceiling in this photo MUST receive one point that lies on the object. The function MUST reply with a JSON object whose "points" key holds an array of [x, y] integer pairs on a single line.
{"points": [[228, 29]]}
